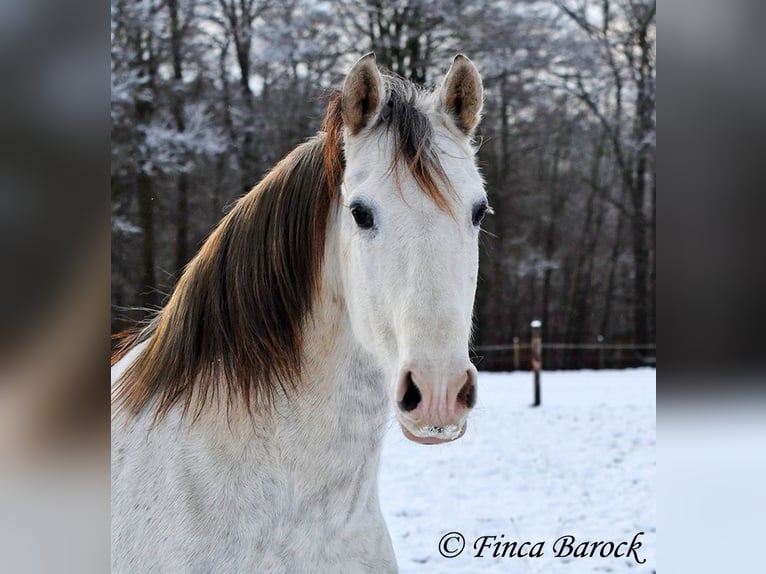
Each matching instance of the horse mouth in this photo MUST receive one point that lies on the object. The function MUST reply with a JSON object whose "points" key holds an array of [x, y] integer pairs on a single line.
{"points": [[429, 434]]}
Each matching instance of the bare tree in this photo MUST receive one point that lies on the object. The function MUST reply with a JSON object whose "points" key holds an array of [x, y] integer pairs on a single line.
{"points": [[624, 39], [209, 94]]}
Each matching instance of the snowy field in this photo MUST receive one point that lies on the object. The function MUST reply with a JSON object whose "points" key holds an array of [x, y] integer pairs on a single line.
{"points": [[582, 465]]}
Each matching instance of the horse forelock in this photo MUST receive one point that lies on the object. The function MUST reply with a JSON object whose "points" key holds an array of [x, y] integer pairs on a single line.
{"points": [[233, 326], [408, 126], [404, 122]]}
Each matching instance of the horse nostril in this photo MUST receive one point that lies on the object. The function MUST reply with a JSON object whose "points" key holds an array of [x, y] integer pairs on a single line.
{"points": [[411, 398], [467, 395]]}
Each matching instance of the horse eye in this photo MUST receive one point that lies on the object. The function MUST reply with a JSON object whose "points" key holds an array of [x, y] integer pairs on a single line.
{"points": [[362, 216], [479, 211]]}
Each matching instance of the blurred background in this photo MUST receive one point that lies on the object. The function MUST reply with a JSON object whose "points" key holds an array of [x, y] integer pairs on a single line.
{"points": [[207, 95], [55, 176]]}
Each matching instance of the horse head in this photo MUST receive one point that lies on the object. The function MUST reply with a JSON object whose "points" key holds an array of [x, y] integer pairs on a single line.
{"points": [[413, 201]]}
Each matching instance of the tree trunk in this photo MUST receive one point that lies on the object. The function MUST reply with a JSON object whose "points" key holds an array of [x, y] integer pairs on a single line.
{"points": [[606, 326], [653, 259], [148, 295], [182, 182], [144, 110], [640, 259]]}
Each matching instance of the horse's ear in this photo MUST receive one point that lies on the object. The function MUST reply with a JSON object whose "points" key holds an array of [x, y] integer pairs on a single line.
{"points": [[362, 94], [461, 94]]}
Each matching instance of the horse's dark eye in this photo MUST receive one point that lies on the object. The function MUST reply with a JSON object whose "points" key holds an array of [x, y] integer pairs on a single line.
{"points": [[479, 211], [362, 215]]}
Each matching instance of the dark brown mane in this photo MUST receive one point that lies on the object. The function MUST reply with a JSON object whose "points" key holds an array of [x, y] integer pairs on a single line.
{"points": [[233, 325]]}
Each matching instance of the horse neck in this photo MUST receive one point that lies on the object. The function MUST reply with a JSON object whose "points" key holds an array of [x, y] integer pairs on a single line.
{"points": [[342, 383], [340, 403]]}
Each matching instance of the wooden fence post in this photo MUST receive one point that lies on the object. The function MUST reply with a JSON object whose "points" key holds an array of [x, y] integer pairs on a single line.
{"points": [[537, 358], [600, 340], [515, 353]]}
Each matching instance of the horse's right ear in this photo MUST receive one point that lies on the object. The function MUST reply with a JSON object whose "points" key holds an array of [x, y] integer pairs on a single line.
{"points": [[362, 94]]}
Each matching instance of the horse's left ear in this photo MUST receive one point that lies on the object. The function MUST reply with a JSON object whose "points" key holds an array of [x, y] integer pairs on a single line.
{"points": [[461, 94]]}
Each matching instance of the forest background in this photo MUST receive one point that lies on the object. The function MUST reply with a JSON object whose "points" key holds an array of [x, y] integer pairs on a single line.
{"points": [[207, 95]]}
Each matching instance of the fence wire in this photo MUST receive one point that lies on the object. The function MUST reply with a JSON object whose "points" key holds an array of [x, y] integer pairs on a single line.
{"points": [[558, 356]]}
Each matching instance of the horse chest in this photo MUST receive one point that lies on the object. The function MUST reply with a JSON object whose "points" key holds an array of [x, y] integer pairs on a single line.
{"points": [[297, 495]]}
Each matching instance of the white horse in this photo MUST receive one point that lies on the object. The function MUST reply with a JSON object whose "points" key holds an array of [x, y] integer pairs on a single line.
{"points": [[249, 415]]}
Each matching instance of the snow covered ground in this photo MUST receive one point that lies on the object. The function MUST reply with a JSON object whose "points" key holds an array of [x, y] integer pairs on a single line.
{"points": [[582, 465]]}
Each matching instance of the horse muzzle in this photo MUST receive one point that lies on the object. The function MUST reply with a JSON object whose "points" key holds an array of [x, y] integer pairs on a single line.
{"points": [[433, 404]]}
